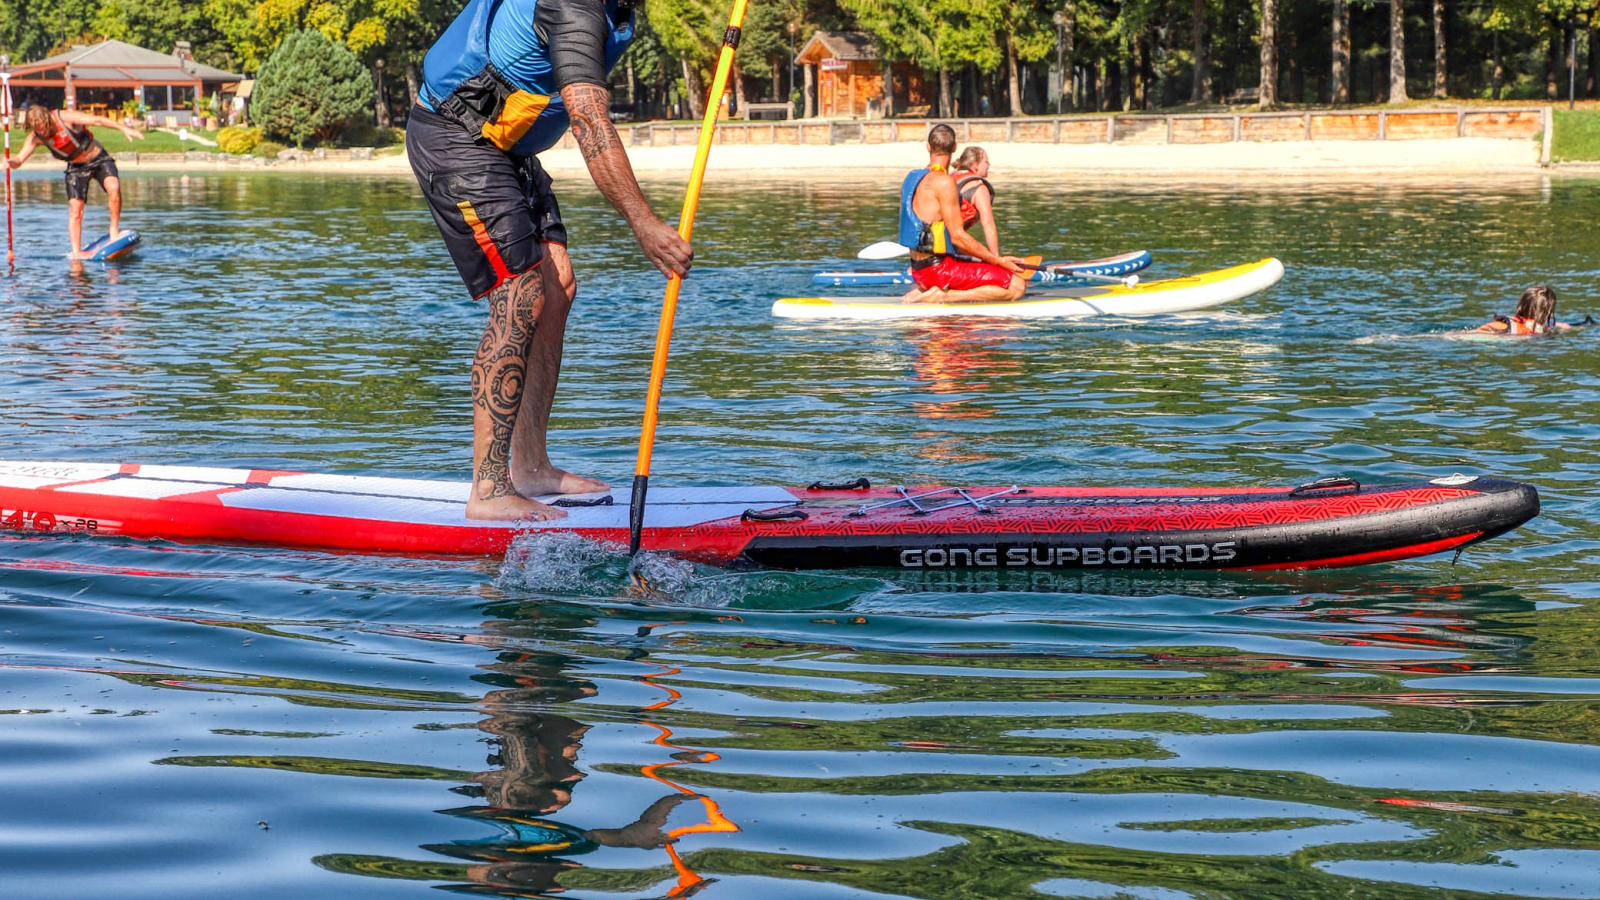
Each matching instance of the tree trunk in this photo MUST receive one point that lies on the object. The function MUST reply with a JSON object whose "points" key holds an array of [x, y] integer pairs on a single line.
{"points": [[1113, 85], [1341, 52], [1297, 75], [1269, 54], [1552, 60], [1397, 52], [1069, 70], [1147, 71], [777, 82], [411, 82], [695, 88], [1091, 86], [811, 91], [633, 90], [1200, 92], [1440, 90], [1594, 64], [1499, 68], [947, 107], [379, 102], [1013, 86], [737, 76]]}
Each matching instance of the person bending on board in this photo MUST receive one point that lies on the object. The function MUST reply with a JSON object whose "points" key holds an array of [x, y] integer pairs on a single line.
{"points": [[930, 224], [501, 85], [971, 172], [67, 135], [1535, 314]]}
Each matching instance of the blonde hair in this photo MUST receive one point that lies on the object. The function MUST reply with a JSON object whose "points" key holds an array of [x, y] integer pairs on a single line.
{"points": [[38, 119], [1538, 304], [970, 157]]}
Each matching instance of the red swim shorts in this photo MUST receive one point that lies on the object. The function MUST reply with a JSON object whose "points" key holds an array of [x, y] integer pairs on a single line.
{"points": [[960, 275]]}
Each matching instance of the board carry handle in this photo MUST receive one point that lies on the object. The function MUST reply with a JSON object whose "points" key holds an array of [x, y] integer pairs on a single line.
{"points": [[777, 515], [1331, 486], [860, 484], [575, 503]]}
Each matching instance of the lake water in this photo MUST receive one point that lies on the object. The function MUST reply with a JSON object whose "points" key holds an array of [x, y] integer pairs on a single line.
{"points": [[180, 721]]}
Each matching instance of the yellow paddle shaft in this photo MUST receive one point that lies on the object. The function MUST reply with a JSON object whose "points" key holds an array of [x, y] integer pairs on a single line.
{"points": [[691, 199]]}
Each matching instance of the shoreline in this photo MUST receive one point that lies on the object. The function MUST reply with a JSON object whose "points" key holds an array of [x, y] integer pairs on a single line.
{"points": [[1454, 157]]}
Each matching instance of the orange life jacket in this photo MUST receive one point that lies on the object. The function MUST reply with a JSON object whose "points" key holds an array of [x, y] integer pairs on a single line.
{"points": [[967, 186], [1521, 325], [67, 142]]}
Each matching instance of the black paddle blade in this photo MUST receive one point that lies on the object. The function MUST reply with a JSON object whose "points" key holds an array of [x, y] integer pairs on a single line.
{"points": [[641, 484]]}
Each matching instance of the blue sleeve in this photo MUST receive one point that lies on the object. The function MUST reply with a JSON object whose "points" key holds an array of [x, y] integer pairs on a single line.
{"points": [[574, 33]]}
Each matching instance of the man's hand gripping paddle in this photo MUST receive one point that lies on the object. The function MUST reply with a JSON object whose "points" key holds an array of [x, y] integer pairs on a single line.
{"points": [[669, 303], [891, 249]]}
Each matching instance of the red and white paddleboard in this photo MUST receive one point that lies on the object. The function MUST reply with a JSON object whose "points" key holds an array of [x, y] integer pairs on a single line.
{"points": [[1332, 522]]}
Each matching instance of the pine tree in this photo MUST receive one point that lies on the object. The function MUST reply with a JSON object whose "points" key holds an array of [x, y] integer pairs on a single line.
{"points": [[310, 88]]}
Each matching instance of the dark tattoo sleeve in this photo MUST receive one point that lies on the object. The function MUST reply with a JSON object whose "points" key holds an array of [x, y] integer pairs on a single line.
{"points": [[500, 369], [589, 108]]}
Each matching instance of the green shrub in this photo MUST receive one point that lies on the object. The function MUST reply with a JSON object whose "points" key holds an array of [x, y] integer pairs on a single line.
{"points": [[269, 149], [363, 134], [309, 89], [238, 140]]}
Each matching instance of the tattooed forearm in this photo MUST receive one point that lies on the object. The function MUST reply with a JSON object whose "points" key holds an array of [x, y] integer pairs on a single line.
{"points": [[603, 151], [499, 371], [589, 106]]}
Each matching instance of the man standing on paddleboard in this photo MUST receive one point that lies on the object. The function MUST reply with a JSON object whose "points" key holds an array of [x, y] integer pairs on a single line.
{"points": [[501, 85], [930, 224], [66, 133]]}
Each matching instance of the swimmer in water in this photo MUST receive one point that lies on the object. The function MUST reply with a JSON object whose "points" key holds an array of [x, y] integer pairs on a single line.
{"points": [[1535, 314]]}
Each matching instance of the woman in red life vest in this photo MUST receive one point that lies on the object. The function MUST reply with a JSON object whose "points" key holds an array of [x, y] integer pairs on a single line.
{"points": [[1536, 311], [66, 135], [971, 172]]}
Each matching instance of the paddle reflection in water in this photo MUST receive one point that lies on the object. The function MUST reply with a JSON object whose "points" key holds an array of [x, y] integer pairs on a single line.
{"points": [[536, 754]]}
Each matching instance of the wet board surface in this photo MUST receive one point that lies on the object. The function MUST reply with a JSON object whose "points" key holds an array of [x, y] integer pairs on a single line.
{"points": [[821, 526], [106, 248]]}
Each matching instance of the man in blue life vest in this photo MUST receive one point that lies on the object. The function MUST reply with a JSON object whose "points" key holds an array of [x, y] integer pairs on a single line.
{"points": [[931, 225], [65, 133], [502, 84]]}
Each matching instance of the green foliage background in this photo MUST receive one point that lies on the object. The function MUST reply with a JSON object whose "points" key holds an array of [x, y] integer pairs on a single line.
{"points": [[1126, 53], [310, 88]]}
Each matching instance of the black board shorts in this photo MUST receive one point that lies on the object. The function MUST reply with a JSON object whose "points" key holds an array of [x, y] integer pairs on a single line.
{"points": [[80, 174], [493, 209]]}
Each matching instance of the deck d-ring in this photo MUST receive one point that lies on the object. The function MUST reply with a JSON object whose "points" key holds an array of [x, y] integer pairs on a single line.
{"points": [[1331, 486]]}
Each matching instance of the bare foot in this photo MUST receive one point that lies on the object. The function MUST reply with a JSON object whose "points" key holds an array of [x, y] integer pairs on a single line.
{"points": [[931, 295], [78, 254], [510, 507], [555, 481]]}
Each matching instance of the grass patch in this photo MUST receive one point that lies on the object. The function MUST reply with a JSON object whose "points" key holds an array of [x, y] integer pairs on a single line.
{"points": [[1576, 135], [114, 141]]}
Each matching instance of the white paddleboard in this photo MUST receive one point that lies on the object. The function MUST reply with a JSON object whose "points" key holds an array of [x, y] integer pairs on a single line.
{"points": [[1151, 298]]}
